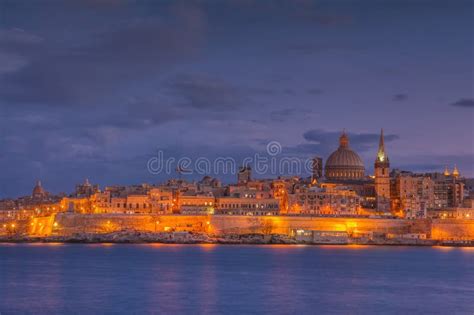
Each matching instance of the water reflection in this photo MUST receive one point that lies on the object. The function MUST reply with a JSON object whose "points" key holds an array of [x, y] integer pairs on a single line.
{"points": [[213, 279]]}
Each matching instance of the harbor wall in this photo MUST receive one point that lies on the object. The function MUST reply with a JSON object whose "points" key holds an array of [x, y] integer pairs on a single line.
{"points": [[70, 223], [102, 223], [452, 229]]}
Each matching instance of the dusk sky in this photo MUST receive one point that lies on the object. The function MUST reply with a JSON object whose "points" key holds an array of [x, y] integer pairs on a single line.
{"points": [[93, 89]]}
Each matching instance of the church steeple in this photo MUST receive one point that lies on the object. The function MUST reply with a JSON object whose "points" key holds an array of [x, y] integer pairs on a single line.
{"points": [[381, 155], [382, 177]]}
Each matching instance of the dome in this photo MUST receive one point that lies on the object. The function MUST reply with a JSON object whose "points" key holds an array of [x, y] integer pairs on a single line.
{"points": [[38, 190], [344, 164]]}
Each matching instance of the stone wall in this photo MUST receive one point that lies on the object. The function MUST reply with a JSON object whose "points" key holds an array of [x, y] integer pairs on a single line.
{"points": [[447, 229], [283, 225], [67, 224]]}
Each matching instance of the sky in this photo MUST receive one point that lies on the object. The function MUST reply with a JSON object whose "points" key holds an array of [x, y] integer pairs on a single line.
{"points": [[95, 88]]}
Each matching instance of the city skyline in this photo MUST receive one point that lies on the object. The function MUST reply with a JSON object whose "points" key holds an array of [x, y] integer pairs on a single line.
{"points": [[102, 86], [273, 164]]}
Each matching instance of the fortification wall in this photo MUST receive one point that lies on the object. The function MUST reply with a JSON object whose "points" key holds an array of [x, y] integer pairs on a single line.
{"points": [[283, 225], [102, 223], [41, 226], [70, 223], [448, 229]]}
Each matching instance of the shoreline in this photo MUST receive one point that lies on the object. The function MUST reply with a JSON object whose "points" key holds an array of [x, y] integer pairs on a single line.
{"points": [[138, 237]]}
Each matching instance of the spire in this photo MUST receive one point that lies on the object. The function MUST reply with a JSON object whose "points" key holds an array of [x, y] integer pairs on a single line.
{"points": [[344, 139], [455, 171], [381, 155], [446, 171]]}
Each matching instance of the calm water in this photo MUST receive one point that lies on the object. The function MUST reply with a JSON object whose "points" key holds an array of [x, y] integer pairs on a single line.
{"points": [[210, 279]]}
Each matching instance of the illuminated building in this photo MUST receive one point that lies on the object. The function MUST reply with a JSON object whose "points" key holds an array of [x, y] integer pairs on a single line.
{"points": [[247, 206], [324, 200], [344, 164], [86, 189], [382, 178], [413, 194], [448, 190], [196, 203], [38, 191]]}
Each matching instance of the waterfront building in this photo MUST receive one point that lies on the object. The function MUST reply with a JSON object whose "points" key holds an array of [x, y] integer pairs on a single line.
{"points": [[464, 213], [327, 199], [382, 178], [448, 190], [78, 204], [344, 164], [412, 194], [161, 200], [154, 200], [250, 205], [199, 203]]}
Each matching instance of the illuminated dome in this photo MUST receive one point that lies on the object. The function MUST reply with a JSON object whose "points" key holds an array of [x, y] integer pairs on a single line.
{"points": [[344, 164], [38, 190]]}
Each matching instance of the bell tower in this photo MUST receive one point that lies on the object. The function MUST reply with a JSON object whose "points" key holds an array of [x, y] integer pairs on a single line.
{"points": [[382, 178]]}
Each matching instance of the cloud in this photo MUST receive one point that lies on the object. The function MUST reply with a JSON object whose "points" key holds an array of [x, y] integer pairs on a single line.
{"points": [[207, 93], [286, 114], [400, 97], [323, 142], [464, 102], [99, 68], [17, 40], [15, 47]]}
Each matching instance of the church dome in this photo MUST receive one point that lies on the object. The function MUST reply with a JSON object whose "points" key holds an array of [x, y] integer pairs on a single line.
{"points": [[344, 164], [38, 190]]}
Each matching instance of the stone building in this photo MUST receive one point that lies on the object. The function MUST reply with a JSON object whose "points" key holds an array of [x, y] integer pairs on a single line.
{"points": [[244, 175], [86, 189], [328, 199], [448, 190], [247, 205], [344, 164], [39, 192], [382, 178], [412, 194], [200, 203]]}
